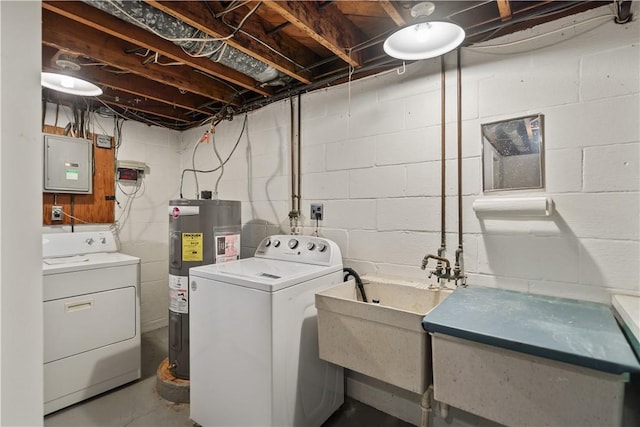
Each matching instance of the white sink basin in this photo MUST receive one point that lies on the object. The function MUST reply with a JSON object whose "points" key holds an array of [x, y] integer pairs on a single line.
{"points": [[385, 340]]}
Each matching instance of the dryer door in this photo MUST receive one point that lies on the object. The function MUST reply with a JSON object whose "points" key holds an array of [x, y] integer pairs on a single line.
{"points": [[81, 323]]}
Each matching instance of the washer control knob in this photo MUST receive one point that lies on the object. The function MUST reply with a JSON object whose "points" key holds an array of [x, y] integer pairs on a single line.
{"points": [[293, 243], [103, 240], [267, 243], [311, 246], [276, 243], [90, 241], [322, 247]]}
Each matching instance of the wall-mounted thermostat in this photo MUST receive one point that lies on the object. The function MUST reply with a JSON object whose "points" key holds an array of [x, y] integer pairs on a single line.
{"points": [[68, 165]]}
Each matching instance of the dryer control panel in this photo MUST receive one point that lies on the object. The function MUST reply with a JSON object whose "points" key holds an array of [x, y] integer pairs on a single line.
{"points": [[304, 249]]}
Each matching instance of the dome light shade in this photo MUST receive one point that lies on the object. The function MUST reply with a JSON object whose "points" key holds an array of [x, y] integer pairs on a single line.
{"points": [[69, 84], [424, 40]]}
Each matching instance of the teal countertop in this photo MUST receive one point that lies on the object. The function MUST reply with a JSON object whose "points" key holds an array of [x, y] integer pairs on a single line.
{"points": [[577, 332]]}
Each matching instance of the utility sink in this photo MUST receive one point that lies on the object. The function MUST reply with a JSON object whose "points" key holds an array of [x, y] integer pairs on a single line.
{"points": [[382, 340]]}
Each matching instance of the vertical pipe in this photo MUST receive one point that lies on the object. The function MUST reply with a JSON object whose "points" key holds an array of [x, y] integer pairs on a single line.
{"points": [[293, 177], [299, 152], [459, 75], [443, 239]]}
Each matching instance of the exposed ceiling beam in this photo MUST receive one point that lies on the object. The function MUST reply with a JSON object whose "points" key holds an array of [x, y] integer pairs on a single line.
{"points": [[288, 47], [327, 26], [198, 16], [102, 21], [63, 33], [393, 13]]}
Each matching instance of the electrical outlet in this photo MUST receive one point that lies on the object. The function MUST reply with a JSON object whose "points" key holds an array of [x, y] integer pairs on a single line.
{"points": [[317, 211], [56, 213]]}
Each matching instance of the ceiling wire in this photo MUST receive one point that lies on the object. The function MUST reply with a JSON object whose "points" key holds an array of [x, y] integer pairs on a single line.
{"points": [[539, 36], [542, 14]]}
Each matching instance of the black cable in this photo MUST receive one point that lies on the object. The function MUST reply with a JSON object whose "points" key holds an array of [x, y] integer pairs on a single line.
{"points": [[352, 272]]}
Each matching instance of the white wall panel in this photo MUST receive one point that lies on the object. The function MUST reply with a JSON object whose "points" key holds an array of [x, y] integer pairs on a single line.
{"points": [[612, 168]]}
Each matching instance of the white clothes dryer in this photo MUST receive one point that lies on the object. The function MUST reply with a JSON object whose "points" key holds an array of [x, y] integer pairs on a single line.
{"points": [[91, 310], [254, 337]]}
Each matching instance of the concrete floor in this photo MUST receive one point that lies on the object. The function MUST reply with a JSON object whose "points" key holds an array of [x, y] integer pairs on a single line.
{"points": [[138, 403]]}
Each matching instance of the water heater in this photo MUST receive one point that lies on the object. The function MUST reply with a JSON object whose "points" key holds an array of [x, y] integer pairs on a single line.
{"points": [[200, 232]]}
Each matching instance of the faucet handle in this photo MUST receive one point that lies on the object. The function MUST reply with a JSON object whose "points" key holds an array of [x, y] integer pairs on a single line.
{"points": [[425, 260]]}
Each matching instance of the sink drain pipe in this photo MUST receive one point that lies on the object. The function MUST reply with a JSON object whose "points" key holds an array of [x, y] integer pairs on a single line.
{"points": [[425, 407]]}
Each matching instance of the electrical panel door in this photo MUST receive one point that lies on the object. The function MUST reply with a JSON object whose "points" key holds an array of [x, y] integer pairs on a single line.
{"points": [[68, 165]]}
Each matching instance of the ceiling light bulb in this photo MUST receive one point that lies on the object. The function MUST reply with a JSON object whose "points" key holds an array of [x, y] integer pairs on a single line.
{"points": [[422, 32], [424, 40], [67, 82]]}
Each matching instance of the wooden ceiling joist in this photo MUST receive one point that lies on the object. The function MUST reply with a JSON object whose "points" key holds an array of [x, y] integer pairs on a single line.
{"points": [[196, 15], [328, 26], [393, 13]]}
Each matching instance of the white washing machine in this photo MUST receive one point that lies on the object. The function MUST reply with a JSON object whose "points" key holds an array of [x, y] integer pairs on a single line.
{"points": [[91, 303], [254, 337]]}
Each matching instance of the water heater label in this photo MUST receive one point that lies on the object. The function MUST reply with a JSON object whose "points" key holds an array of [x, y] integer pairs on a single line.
{"points": [[179, 294], [227, 248], [192, 246]]}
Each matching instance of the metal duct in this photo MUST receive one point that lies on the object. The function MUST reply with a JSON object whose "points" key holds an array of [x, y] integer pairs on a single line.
{"points": [[168, 27]]}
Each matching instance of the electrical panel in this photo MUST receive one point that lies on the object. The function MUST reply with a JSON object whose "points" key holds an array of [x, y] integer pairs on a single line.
{"points": [[68, 165]]}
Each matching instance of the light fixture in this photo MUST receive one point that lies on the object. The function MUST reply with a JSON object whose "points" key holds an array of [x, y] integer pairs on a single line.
{"points": [[69, 84], [423, 39]]}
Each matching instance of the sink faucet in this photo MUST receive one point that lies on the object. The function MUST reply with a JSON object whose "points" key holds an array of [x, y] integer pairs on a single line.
{"points": [[445, 272], [439, 271]]}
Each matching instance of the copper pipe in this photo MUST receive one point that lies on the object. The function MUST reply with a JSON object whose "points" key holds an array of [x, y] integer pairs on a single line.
{"points": [[459, 72], [299, 151], [443, 97], [293, 178]]}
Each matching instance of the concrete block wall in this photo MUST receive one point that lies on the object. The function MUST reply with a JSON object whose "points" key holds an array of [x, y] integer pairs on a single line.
{"points": [[144, 230], [371, 153]]}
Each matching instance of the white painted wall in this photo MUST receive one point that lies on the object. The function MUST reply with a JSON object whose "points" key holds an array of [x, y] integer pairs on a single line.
{"points": [[371, 155], [144, 234], [20, 215]]}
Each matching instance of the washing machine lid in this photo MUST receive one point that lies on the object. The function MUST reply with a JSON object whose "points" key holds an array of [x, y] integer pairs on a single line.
{"points": [[67, 264], [263, 274]]}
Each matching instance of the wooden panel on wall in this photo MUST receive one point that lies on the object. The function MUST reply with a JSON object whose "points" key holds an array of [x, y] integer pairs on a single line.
{"points": [[91, 208]]}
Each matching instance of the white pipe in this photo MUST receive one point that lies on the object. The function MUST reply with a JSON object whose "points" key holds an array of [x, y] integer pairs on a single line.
{"points": [[444, 410], [425, 407]]}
